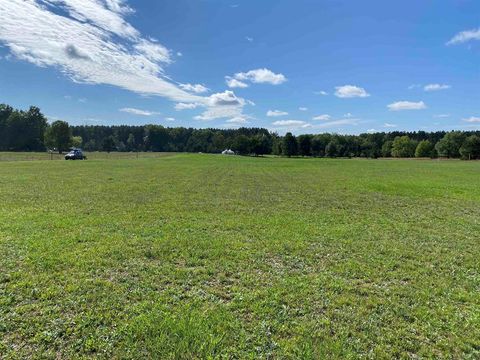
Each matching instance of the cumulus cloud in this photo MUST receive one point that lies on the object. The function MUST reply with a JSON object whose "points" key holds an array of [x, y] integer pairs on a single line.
{"points": [[324, 117], [234, 83], [196, 88], [186, 106], [406, 105], [465, 36], [276, 113], [139, 112], [227, 98], [472, 119], [223, 105], [436, 87], [91, 42], [350, 91], [260, 76]]}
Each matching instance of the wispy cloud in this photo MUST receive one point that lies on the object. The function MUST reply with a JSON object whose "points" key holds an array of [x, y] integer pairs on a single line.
{"points": [[350, 91], [406, 105], [91, 42], [276, 113], [436, 87], [336, 123], [290, 123], [302, 108], [465, 36], [389, 125], [139, 112], [441, 116], [239, 120], [324, 117], [196, 88], [472, 119], [323, 93]]}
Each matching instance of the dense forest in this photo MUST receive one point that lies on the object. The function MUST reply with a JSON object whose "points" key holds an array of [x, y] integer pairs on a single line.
{"points": [[30, 131]]}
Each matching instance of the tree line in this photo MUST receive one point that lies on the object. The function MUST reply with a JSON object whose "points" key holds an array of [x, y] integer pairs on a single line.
{"points": [[30, 131]]}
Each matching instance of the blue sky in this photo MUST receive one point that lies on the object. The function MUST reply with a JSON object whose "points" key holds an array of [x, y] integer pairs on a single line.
{"points": [[303, 66]]}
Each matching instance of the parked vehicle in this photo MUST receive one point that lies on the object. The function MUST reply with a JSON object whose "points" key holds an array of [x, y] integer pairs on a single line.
{"points": [[75, 154]]}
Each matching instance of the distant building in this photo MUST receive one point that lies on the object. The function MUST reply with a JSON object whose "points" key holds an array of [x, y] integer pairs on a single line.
{"points": [[228, 152]]}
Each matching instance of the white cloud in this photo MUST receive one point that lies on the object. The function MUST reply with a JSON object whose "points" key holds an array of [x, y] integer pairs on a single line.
{"points": [[261, 76], [186, 106], [139, 112], [290, 123], [91, 42], [348, 115], [197, 88], [303, 108], [465, 36], [227, 98], [323, 93], [238, 120], [153, 51], [223, 105], [388, 125], [350, 91], [371, 131], [436, 87], [170, 119], [276, 113], [414, 86], [441, 116], [179, 54], [234, 83], [249, 39], [336, 123], [406, 105], [473, 119], [324, 117]]}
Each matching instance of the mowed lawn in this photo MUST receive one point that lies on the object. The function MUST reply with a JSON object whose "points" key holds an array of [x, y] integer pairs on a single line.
{"points": [[204, 256]]}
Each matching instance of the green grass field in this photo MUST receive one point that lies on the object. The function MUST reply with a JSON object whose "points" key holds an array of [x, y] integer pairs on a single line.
{"points": [[30, 156], [204, 256]]}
